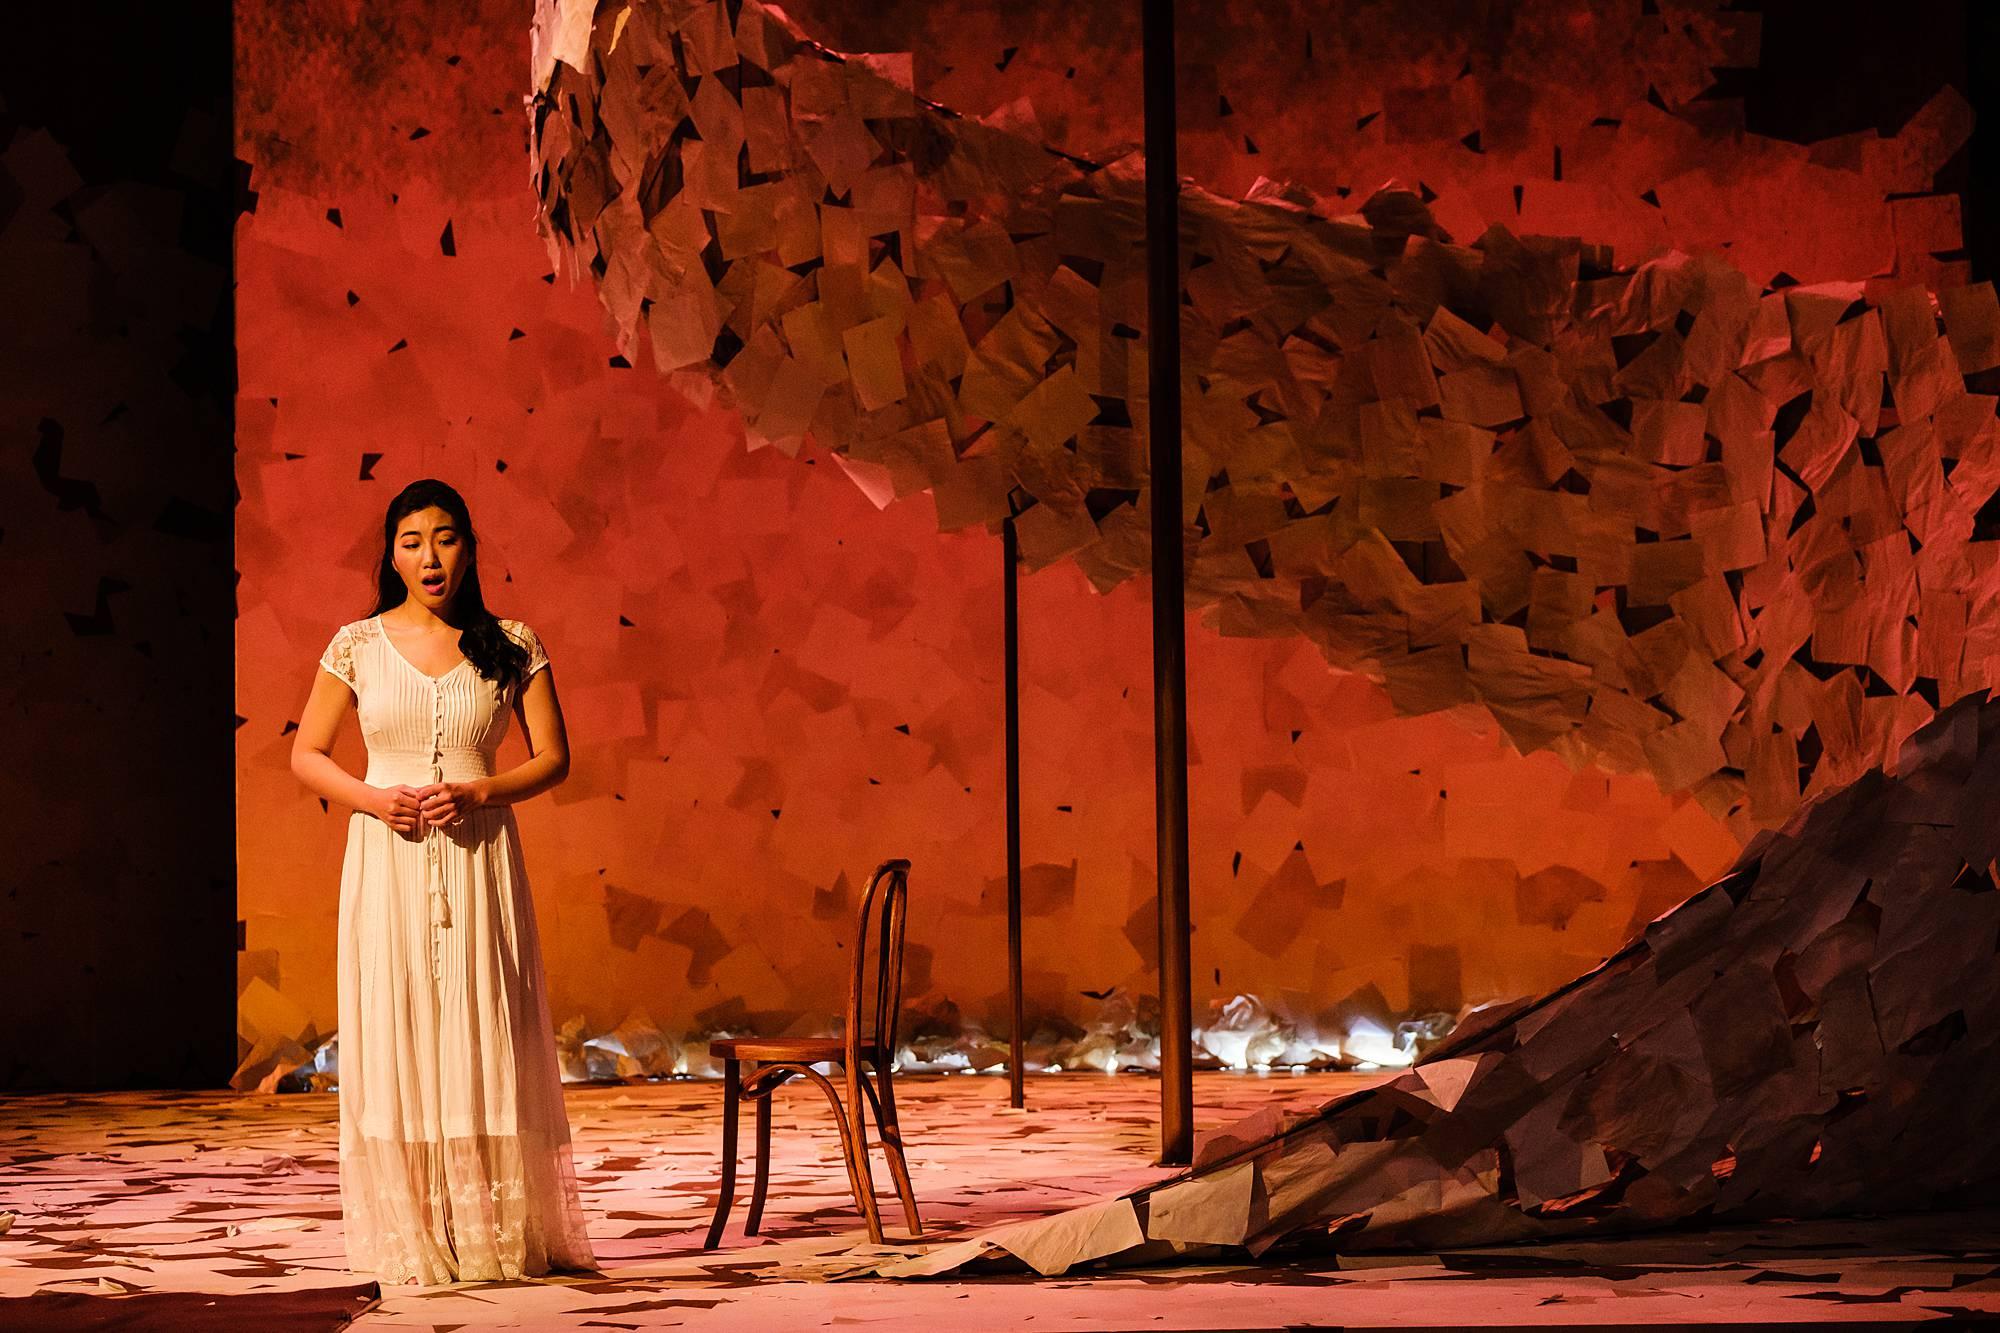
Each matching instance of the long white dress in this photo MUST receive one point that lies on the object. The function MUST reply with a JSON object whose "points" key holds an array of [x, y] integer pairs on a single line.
{"points": [[454, 1147]]}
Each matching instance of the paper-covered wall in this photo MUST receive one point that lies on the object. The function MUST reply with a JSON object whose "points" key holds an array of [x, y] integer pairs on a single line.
{"points": [[770, 684]]}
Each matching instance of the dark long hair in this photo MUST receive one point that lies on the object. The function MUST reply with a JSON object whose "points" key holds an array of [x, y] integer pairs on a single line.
{"points": [[493, 654]]}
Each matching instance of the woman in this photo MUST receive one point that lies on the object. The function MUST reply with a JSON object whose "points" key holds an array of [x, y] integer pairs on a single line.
{"points": [[454, 1149]]}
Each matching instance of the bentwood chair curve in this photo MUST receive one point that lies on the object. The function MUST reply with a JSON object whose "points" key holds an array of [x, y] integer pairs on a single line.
{"points": [[863, 1057]]}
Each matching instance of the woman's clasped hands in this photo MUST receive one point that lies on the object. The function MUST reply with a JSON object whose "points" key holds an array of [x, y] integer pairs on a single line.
{"points": [[411, 811]]}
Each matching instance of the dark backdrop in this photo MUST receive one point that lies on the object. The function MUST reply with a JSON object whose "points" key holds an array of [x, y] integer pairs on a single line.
{"points": [[117, 837]]}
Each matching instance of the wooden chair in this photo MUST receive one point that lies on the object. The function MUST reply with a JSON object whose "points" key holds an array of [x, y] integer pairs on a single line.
{"points": [[756, 1067]]}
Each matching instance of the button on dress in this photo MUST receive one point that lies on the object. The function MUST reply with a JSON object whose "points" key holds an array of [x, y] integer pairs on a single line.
{"points": [[454, 1147]]}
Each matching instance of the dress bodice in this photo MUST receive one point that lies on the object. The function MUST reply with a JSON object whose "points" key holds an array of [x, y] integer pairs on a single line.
{"points": [[418, 727]]}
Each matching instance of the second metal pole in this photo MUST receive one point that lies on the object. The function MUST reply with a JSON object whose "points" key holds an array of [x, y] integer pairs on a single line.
{"points": [[1170, 808], [1010, 546]]}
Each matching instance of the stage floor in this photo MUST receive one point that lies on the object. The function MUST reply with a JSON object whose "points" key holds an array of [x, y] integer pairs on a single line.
{"points": [[133, 1196]]}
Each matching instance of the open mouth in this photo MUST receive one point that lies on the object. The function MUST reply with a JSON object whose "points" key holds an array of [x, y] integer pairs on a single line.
{"points": [[433, 583]]}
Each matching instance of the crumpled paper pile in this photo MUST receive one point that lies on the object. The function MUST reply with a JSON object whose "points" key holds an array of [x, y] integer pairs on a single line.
{"points": [[1813, 1034]]}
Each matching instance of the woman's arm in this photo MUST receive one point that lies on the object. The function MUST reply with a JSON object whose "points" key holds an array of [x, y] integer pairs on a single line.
{"points": [[547, 764], [313, 763], [540, 714]]}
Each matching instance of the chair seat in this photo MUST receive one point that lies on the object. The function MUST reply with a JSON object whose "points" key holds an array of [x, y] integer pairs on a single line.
{"points": [[795, 1050]]}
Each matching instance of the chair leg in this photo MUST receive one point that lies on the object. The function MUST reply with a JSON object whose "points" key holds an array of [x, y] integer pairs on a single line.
{"points": [[892, 1148], [864, 1179], [854, 1181], [731, 1084], [762, 1181], [854, 1185]]}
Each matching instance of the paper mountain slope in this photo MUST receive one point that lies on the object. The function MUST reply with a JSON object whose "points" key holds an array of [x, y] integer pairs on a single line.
{"points": [[1813, 1034]]}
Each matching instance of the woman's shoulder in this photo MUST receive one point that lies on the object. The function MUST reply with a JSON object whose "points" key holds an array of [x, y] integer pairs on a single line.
{"points": [[520, 632], [339, 657]]}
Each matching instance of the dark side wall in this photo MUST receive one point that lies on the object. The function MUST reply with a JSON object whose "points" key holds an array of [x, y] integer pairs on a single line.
{"points": [[117, 862], [1888, 57]]}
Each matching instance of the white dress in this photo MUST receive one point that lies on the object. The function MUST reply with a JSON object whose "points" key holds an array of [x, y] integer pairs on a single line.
{"points": [[454, 1148]]}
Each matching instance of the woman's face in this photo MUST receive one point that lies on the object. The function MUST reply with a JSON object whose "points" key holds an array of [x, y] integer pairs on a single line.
{"points": [[431, 556]]}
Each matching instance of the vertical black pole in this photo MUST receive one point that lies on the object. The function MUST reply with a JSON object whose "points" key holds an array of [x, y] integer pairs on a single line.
{"points": [[1016, 1096], [1170, 808], [1982, 191]]}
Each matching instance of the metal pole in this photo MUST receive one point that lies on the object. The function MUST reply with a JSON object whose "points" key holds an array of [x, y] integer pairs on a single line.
{"points": [[1170, 804], [1016, 1096]]}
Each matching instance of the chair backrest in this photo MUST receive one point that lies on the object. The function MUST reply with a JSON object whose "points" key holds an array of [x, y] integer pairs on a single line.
{"points": [[882, 907]]}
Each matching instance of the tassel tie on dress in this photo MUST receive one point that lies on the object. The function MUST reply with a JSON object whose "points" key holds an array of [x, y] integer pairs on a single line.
{"points": [[434, 836]]}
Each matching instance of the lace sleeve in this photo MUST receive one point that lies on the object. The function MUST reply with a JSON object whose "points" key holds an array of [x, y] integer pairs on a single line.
{"points": [[527, 638], [338, 659]]}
